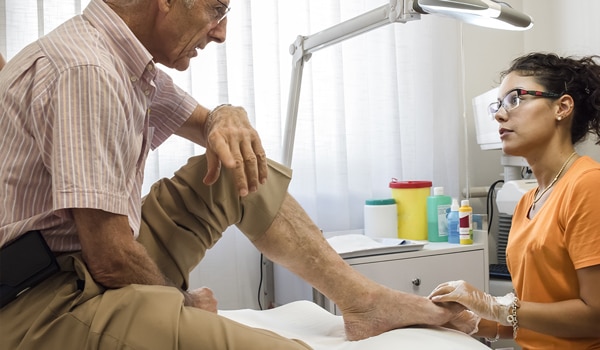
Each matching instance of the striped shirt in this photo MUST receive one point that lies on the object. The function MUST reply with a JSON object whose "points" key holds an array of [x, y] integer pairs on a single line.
{"points": [[79, 111]]}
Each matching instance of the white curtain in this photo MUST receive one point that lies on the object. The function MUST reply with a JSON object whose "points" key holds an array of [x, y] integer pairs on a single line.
{"points": [[387, 104]]}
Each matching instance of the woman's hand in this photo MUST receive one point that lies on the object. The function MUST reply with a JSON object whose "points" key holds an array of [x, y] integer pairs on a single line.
{"points": [[486, 306], [466, 322]]}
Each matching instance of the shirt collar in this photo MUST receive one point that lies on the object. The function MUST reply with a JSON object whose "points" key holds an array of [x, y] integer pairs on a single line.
{"points": [[134, 55]]}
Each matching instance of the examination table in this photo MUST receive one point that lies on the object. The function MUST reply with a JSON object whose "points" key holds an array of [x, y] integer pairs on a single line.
{"points": [[320, 329]]}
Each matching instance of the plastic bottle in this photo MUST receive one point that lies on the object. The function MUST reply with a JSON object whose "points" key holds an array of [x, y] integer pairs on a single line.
{"points": [[465, 217], [411, 203], [453, 232], [381, 218], [437, 224]]}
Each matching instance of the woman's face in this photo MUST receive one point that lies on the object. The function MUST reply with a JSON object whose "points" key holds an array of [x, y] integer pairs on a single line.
{"points": [[532, 124]]}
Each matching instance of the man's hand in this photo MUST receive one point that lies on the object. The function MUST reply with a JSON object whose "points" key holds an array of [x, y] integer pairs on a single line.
{"points": [[230, 141], [233, 142], [201, 298]]}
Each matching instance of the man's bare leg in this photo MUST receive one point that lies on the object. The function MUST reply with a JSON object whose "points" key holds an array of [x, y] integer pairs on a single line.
{"points": [[368, 308]]}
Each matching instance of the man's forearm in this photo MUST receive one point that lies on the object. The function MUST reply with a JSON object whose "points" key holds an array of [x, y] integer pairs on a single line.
{"points": [[114, 258], [193, 128], [136, 267], [129, 264]]}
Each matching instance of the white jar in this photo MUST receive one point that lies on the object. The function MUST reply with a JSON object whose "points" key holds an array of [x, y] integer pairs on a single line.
{"points": [[381, 218]]}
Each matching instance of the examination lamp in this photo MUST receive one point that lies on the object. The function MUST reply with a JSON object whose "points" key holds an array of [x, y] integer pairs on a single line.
{"points": [[486, 13]]}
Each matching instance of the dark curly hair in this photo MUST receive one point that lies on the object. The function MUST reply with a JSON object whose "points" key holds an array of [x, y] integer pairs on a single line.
{"points": [[577, 77]]}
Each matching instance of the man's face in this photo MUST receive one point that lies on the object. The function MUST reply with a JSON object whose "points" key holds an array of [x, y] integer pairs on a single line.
{"points": [[181, 31]]}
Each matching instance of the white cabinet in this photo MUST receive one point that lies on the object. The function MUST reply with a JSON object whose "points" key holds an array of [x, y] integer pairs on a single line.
{"points": [[419, 272]]}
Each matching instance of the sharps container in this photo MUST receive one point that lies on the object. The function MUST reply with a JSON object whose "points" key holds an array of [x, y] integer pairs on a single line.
{"points": [[381, 218], [411, 204]]}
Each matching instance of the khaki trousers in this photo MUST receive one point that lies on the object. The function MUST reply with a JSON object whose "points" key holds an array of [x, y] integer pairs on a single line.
{"points": [[182, 218]]}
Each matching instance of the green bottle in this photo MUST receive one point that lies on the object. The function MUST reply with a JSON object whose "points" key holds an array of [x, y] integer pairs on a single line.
{"points": [[437, 222]]}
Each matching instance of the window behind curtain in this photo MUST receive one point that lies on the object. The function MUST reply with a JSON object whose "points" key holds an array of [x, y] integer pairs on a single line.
{"points": [[386, 104]]}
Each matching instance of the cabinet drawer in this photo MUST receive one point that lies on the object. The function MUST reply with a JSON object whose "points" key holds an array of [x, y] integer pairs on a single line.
{"points": [[420, 275]]}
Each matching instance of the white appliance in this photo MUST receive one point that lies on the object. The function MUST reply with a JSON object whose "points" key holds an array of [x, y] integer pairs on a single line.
{"points": [[510, 194]]}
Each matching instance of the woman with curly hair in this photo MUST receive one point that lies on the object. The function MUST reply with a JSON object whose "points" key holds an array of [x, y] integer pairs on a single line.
{"points": [[547, 104]]}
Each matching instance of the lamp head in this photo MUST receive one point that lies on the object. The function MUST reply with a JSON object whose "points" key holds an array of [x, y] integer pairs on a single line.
{"points": [[485, 13]]}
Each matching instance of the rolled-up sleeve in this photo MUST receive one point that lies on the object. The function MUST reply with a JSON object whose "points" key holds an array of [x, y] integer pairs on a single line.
{"points": [[170, 108]]}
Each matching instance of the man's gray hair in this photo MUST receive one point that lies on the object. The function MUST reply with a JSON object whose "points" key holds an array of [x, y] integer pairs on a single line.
{"points": [[189, 3]]}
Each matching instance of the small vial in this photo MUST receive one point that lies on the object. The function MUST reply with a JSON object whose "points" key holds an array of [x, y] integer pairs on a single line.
{"points": [[465, 218]]}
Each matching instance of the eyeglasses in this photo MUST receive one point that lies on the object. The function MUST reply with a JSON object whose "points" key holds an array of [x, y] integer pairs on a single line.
{"points": [[221, 12], [513, 98]]}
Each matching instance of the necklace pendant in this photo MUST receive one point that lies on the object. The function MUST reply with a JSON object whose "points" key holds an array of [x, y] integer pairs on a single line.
{"points": [[537, 198]]}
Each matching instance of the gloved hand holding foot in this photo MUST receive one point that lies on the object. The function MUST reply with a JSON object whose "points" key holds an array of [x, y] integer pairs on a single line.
{"points": [[484, 305], [466, 321]]}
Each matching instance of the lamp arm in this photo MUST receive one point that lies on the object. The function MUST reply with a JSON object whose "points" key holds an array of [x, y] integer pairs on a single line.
{"points": [[293, 102], [488, 13], [302, 49]]}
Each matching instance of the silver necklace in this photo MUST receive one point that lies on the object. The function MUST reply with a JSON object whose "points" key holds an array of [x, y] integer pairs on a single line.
{"points": [[536, 197]]}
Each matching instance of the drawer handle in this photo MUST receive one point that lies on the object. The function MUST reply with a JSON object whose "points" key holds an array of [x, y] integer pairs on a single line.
{"points": [[416, 282]]}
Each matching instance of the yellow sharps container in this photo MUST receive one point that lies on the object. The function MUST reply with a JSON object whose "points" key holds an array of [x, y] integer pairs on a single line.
{"points": [[411, 204]]}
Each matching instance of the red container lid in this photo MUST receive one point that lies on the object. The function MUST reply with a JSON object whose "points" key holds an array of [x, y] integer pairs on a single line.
{"points": [[409, 184]]}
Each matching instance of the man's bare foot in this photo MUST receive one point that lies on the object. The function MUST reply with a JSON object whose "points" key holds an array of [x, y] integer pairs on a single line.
{"points": [[389, 309]]}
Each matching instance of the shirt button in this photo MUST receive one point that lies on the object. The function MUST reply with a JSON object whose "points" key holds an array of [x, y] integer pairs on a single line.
{"points": [[146, 92], [134, 79], [150, 67]]}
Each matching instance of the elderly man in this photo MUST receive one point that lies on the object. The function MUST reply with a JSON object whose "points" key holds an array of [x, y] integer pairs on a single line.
{"points": [[79, 109]]}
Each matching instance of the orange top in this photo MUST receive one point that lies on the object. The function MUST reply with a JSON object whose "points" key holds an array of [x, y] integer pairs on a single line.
{"points": [[544, 253]]}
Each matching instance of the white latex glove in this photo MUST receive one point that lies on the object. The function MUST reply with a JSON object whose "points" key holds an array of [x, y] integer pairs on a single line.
{"points": [[486, 306], [466, 322]]}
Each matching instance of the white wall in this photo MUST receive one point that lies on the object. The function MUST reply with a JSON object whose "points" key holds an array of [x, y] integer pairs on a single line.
{"points": [[567, 28]]}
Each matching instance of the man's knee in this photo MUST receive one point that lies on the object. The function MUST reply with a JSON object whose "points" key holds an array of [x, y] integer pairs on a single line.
{"points": [[219, 204], [260, 208]]}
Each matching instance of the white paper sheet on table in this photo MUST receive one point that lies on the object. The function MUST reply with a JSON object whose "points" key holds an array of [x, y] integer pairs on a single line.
{"points": [[355, 245], [322, 330]]}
